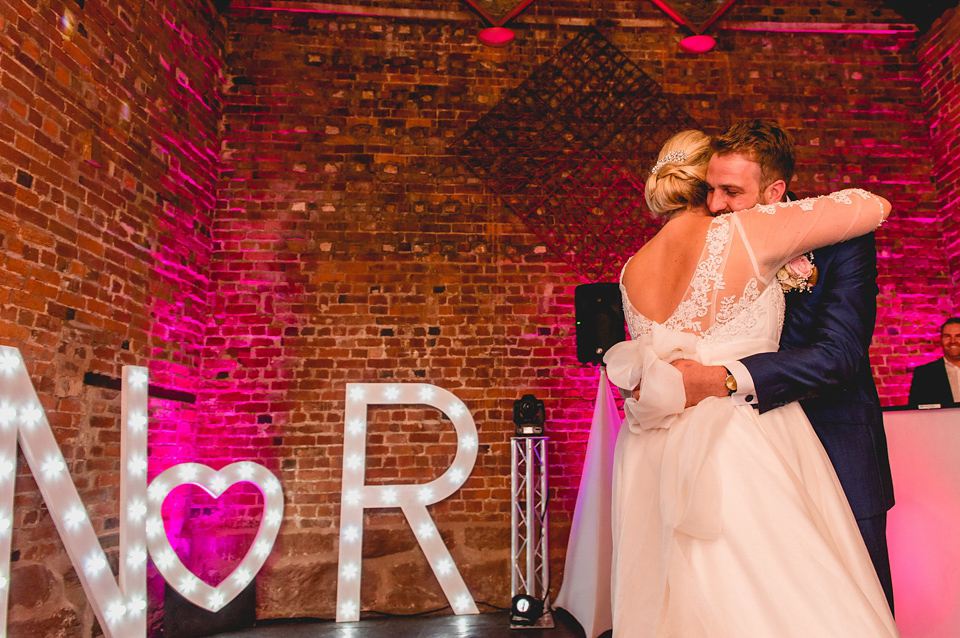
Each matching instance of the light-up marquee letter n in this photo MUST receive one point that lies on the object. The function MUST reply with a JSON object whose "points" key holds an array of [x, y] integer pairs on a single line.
{"points": [[412, 499], [120, 608]]}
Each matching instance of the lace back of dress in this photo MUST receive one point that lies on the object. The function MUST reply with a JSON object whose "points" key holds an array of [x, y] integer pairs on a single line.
{"points": [[722, 297], [722, 293]]}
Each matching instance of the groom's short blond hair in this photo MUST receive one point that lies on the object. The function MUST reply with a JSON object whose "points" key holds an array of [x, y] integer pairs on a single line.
{"points": [[763, 141]]}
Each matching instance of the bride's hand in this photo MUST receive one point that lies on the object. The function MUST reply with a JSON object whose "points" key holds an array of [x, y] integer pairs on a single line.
{"points": [[700, 381]]}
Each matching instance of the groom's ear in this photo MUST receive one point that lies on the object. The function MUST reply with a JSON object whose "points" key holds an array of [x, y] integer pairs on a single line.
{"points": [[775, 191]]}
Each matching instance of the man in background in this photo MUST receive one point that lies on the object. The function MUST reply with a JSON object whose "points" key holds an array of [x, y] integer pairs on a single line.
{"points": [[937, 384]]}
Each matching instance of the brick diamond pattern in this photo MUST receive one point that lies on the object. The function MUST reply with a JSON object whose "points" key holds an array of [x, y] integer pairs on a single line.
{"points": [[566, 150]]}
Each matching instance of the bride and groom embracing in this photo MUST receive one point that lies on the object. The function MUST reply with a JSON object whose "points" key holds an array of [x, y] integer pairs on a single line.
{"points": [[733, 516]]}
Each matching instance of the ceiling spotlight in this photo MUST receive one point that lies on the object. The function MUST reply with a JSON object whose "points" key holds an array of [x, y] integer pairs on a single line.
{"points": [[497, 14], [697, 43], [695, 17], [496, 36]]}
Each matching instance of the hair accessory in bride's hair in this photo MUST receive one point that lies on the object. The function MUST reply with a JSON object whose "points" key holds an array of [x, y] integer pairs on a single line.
{"points": [[672, 156]]}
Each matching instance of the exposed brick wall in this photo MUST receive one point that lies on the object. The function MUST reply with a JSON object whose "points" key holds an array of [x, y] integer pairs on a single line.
{"points": [[109, 116], [350, 246], [939, 56], [340, 241]]}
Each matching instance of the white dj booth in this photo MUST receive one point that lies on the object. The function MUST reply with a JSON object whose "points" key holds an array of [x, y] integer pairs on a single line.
{"points": [[923, 528]]}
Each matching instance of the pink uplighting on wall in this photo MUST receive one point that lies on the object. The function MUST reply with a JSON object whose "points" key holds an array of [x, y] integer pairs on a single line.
{"points": [[215, 534]]}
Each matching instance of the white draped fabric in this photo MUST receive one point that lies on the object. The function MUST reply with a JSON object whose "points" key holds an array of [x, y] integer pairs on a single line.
{"points": [[585, 591]]}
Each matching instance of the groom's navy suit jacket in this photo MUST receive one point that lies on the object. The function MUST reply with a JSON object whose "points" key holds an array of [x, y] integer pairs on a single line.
{"points": [[823, 362]]}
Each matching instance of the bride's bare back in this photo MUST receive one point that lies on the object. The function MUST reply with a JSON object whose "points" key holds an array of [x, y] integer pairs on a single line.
{"points": [[657, 277]]}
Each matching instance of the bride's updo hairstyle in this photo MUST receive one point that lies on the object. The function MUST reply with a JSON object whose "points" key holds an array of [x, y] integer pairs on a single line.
{"points": [[678, 179]]}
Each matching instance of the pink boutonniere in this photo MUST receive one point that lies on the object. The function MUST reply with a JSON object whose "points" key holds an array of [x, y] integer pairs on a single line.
{"points": [[798, 274]]}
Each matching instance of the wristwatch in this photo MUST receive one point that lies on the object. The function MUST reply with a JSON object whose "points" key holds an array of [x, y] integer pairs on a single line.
{"points": [[730, 382]]}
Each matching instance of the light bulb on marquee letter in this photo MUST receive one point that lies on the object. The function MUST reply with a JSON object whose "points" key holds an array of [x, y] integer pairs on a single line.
{"points": [[412, 498]]}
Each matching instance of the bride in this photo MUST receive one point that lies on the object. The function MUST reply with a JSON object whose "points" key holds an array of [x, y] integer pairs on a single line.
{"points": [[728, 523]]}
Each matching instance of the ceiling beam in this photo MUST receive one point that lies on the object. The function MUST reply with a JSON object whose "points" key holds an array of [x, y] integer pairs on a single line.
{"points": [[325, 8]]}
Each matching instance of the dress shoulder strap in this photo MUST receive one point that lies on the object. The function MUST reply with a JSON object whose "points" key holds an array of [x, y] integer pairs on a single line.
{"points": [[624, 269], [746, 245]]}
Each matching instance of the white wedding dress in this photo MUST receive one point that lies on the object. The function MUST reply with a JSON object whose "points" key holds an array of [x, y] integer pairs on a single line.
{"points": [[729, 523]]}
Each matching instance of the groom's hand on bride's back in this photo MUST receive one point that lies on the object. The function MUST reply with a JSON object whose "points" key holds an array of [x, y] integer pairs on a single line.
{"points": [[700, 381]]}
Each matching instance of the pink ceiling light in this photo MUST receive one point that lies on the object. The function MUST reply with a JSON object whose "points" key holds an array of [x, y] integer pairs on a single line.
{"points": [[497, 14], [496, 36], [695, 16], [697, 43]]}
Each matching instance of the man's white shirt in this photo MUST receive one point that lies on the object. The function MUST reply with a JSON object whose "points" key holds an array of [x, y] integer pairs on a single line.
{"points": [[746, 393], [953, 375]]}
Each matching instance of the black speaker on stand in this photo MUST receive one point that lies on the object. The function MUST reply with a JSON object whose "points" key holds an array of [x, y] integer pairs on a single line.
{"points": [[599, 310]]}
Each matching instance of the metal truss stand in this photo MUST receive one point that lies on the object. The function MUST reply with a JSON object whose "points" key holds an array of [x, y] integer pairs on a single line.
{"points": [[529, 545]]}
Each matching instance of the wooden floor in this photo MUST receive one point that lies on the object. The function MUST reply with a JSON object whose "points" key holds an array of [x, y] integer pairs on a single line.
{"points": [[495, 625]]}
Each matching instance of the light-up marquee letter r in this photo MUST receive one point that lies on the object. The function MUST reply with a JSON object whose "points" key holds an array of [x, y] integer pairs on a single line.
{"points": [[412, 499]]}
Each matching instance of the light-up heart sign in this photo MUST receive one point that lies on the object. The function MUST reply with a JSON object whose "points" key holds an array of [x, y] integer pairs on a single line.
{"points": [[215, 483]]}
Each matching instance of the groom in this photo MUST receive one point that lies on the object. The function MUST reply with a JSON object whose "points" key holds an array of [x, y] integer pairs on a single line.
{"points": [[823, 359]]}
